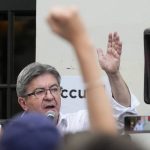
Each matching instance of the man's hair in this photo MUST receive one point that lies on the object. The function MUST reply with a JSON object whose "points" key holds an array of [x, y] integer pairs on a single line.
{"points": [[30, 72]]}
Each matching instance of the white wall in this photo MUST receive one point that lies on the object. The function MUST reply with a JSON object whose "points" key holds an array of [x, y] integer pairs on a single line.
{"points": [[128, 17]]}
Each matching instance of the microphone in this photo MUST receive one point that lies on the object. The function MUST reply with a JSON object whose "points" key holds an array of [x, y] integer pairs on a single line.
{"points": [[51, 115]]}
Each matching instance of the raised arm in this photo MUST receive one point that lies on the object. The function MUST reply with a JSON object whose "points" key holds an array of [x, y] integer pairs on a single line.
{"points": [[110, 63], [67, 23]]}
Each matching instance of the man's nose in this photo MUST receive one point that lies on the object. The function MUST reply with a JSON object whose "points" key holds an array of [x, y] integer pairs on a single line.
{"points": [[48, 94]]}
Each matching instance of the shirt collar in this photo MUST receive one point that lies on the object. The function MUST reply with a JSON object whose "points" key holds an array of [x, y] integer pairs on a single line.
{"points": [[62, 121]]}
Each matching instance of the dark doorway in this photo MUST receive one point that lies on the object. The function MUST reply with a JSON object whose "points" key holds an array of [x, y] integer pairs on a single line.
{"points": [[17, 49]]}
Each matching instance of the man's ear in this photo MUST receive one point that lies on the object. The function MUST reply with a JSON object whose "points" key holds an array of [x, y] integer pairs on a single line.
{"points": [[23, 103]]}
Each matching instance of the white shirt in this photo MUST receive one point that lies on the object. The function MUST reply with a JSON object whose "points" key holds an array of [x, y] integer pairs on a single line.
{"points": [[78, 121]]}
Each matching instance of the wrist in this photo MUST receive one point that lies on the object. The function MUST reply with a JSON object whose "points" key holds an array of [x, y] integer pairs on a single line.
{"points": [[115, 75]]}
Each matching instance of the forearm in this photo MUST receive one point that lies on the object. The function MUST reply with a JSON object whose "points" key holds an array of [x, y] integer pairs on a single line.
{"points": [[67, 23], [87, 58], [100, 112], [120, 91]]}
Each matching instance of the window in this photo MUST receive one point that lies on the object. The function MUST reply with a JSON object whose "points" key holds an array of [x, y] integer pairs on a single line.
{"points": [[17, 49]]}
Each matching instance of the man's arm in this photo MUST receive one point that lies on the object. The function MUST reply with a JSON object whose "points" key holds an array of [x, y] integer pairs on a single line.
{"points": [[67, 24], [110, 63]]}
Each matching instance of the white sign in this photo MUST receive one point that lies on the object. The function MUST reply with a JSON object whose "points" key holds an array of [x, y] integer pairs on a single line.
{"points": [[73, 94]]}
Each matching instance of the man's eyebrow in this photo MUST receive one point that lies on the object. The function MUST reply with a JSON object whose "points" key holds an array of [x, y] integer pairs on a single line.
{"points": [[39, 88], [53, 85]]}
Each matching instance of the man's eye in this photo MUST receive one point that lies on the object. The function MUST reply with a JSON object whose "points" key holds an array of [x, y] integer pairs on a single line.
{"points": [[54, 89]]}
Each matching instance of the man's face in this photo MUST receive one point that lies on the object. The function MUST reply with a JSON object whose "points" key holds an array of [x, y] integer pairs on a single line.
{"points": [[39, 101]]}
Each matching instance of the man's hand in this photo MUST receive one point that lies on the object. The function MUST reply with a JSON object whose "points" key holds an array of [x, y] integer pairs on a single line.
{"points": [[66, 23], [110, 62]]}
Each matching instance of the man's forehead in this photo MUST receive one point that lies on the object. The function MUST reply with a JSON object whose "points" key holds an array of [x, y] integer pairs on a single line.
{"points": [[44, 80]]}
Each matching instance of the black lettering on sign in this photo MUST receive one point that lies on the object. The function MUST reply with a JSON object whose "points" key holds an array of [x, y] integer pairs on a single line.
{"points": [[63, 93], [73, 93]]}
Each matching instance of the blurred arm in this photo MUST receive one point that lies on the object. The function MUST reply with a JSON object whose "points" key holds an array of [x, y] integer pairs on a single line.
{"points": [[67, 24]]}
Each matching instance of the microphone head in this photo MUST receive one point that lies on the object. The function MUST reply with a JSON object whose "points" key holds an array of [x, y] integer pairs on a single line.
{"points": [[51, 115]]}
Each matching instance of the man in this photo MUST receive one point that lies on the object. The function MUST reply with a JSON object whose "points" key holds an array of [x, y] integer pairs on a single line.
{"points": [[38, 89]]}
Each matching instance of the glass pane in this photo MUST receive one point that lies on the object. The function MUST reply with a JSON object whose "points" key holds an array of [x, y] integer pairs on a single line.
{"points": [[3, 104], [3, 47], [15, 107], [24, 42]]}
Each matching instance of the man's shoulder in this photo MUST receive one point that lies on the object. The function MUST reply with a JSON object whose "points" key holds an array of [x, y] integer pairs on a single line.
{"points": [[73, 122], [78, 117]]}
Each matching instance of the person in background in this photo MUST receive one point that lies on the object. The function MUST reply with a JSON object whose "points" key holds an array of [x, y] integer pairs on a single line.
{"points": [[139, 125], [95, 141], [34, 131]]}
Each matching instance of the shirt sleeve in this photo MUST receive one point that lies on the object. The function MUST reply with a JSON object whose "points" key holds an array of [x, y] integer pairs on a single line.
{"points": [[120, 111]]}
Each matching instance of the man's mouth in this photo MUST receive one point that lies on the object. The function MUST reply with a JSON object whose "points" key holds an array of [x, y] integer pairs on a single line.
{"points": [[49, 107]]}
